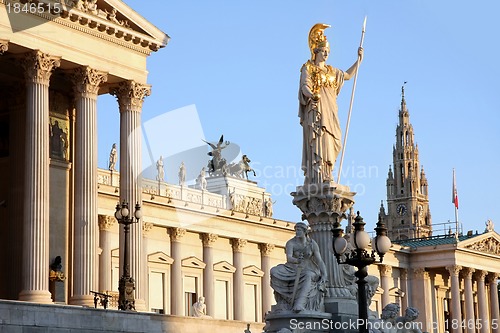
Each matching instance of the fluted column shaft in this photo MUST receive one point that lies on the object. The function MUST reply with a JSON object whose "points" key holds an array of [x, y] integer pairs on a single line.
{"points": [[208, 273], [267, 292], [38, 69], [469, 301], [239, 286], [86, 275], [495, 317], [403, 280], [482, 314], [176, 291], [105, 224], [385, 282], [456, 312], [130, 97]]}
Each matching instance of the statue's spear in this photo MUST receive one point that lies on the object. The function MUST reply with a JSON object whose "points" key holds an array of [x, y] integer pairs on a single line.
{"points": [[350, 106]]}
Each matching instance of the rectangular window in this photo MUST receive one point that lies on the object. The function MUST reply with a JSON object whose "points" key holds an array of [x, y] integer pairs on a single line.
{"points": [[250, 304], [221, 305], [156, 292], [190, 293]]}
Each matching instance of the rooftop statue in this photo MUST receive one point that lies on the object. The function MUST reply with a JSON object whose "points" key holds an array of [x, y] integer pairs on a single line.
{"points": [[320, 85], [217, 162]]}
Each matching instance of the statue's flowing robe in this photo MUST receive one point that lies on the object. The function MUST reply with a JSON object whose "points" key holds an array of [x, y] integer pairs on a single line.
{"points": [[321, 126]]}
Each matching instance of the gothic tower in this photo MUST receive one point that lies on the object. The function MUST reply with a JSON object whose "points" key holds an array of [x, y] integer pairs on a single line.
{"points": [[408, 215]]}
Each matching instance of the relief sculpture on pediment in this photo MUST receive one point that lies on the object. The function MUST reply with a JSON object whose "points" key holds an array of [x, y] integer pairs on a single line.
{"points": [[489, 245]]}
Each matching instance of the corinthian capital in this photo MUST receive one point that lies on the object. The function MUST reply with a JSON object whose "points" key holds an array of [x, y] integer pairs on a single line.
{"points": [[130, 95], [266, 249], [86, 80], [454, 269], [176, 234], [4, 46], [38, 66], [209, 239], [238, 244], [106, 222], [385, 270]]}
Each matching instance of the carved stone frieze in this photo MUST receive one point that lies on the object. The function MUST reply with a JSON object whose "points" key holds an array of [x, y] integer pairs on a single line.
{"points": [[489, 245], [245, 204]]}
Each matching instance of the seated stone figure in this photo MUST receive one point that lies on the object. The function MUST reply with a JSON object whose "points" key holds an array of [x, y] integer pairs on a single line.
{"points": [[299, 284], [388, 316], [199, 308], [407, 323]]}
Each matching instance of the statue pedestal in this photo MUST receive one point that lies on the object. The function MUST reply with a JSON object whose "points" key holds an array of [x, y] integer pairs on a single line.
{"points": [[322, 205], [302, 322]]}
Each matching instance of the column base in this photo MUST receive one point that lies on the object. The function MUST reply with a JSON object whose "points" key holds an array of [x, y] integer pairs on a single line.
{"points": [[82, 300], [36, 296], [302, 322]]}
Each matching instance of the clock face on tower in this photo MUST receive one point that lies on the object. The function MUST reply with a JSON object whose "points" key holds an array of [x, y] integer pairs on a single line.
{"points": [[401, 209]]}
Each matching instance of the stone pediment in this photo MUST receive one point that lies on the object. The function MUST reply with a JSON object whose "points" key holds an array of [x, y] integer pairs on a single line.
{"points": [[160, 258], [490, 244], [193, 262], [224, 266], [253, 271]]}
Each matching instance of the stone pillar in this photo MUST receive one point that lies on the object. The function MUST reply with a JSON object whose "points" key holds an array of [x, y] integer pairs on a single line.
{"points": [[482, 305], [385, 282], [85, 259], [267, 291], [238, 283], [469, 300], [403, 280], [146, 228], [130, 96], [208, 241], [455, 311], [38, 68], [421, 297], [176, 288], [105, 265], [495, 317]]}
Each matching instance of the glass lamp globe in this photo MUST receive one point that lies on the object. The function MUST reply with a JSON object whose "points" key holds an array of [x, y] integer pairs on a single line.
{"points": [[125, 211], [362, 239], [138, 212], [118, 213], [340, 245], [383, 244]]}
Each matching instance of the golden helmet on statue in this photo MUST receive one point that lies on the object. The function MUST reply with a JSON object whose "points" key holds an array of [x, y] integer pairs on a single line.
{"points": [[317, 38]]}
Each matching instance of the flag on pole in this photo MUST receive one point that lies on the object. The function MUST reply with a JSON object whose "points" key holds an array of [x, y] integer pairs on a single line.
{"points": [[454, 194]]}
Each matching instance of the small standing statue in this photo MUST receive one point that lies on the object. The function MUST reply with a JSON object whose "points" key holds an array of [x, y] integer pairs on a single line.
{"points": [[320, 85], [202, 180], [182, 174], [161, 173], [269, 208], [113, 158]]}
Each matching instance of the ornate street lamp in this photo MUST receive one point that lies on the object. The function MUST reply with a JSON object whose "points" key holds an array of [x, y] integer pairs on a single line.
{"points": [[359, 257], [126, 286]]}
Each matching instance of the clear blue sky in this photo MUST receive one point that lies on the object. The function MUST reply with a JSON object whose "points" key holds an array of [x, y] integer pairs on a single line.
{"points": [[237, 63]]}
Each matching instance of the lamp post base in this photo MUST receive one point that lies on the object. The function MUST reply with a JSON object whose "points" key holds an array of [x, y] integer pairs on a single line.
{"points": [[126, 287]]}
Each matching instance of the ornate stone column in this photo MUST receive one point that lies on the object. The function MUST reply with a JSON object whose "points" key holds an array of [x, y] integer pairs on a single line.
{"points": [[403, 280], [482, 305], [85, 259], [105, 225], [176, 291], [495, 317], [238, 283], [208, 241], [267, 292], [385, 282], [469, 300], [130, 97], [38, 68], [456, 312], [421, 296]]}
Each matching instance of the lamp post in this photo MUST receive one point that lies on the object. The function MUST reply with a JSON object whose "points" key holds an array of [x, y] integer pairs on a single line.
{"points": [[359, 257], [126, 286]]}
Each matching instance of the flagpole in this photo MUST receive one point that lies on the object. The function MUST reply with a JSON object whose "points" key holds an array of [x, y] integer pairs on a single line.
{"points": [[455, 203], [350, 106]]}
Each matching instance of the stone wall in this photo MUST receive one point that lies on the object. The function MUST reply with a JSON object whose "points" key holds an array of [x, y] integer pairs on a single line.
{"points": [[21, 317]]}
